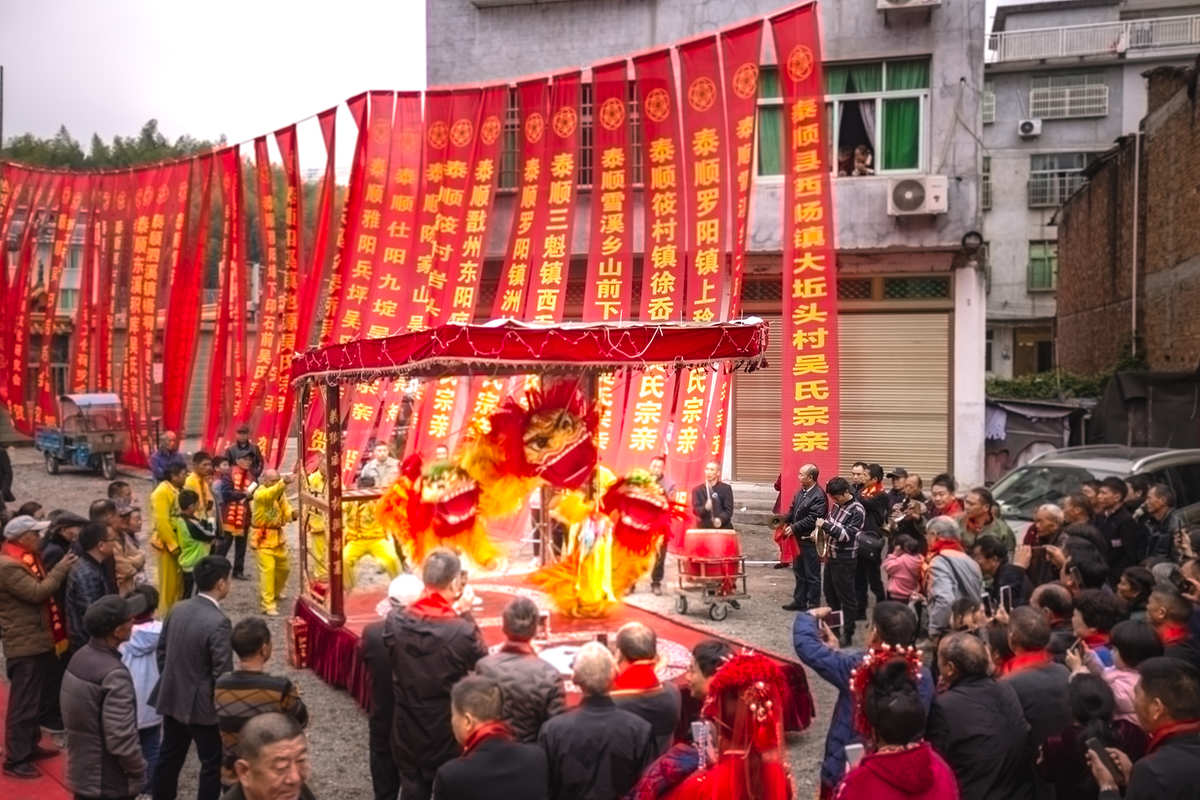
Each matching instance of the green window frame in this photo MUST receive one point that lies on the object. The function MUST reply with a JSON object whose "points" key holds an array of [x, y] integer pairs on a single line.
{"points": [[1042, 275]]}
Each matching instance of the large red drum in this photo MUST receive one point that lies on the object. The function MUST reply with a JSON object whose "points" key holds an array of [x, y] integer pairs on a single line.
{"points": [[702, 545]]}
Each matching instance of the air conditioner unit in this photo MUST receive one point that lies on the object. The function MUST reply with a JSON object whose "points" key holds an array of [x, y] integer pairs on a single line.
{"points": [[925, 194], [1028, 128], [906, 5]]}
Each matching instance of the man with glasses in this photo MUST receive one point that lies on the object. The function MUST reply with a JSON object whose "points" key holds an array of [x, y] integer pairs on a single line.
{"points": [[90, 580]]}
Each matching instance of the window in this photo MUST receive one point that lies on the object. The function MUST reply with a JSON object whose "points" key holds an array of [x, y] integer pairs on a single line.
{"points": [[1066, 96], [1043, 266], [875, 117], [985, 184], [987, 104], [987, 351], [1053, 177], [512, 143], [586, 136]]}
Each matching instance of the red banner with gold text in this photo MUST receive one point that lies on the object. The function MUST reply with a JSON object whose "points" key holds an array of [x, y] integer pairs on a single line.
{"points": [[810, 345], [270, 307], [80, 379], [608, 289]]}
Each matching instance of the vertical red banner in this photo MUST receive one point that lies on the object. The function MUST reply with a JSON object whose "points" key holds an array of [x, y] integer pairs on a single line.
{"points": [[740, 50], [219, 368], [532, 100], [239, 297], [80, 378], [69, 203], [608, 289], [17, 187], [546, 296], [439, 110], [357, 106], [270, 305], [809, 429]]}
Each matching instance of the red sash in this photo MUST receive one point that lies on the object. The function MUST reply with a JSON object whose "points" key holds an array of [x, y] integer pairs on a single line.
{"points": [[488, 730], [58, 624], [1025, 661], [637, 677], [1167, 731]]}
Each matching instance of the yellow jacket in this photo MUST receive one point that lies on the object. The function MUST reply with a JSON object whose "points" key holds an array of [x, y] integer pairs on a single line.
{"points": [[269, 512], [204, 490], [164, 507], [360, 522], [315, 517]]}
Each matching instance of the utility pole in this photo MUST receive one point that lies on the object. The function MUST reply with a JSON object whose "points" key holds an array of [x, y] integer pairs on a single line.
{"points": [[1, 106]]}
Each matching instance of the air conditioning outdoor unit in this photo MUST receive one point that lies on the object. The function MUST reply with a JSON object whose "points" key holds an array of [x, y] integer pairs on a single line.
{"points": [[1028, 128], [925, 194], [905, 5]]}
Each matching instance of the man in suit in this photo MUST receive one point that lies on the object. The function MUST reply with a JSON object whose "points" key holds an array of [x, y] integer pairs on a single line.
{"points": [[492, 764], [712, 501], [193, 651], [808, 506]]}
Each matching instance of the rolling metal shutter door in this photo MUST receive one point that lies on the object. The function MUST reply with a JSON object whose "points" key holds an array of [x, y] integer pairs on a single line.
{"points": [[895, 397]]}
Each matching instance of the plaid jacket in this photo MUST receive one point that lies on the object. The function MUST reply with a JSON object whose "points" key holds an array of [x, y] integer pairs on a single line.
{"points": [[843, 524]]}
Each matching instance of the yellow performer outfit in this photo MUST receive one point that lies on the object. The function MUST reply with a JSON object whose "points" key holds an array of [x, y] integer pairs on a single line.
{"points": [[164, 507], [365, 536], [269, 512], [316, 525]]}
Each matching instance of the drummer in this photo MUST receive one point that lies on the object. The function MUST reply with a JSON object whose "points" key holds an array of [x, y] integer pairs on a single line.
{"points": [[712, 501]]}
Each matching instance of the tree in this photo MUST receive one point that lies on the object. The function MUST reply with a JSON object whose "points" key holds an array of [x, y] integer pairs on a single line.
{"points": [[64, 152]]}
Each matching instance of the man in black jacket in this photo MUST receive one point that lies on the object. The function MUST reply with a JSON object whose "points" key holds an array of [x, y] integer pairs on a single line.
{"points": [[842, 525], [712, 501], [89, 581], [992, 557], [1123, 534], [596, 751], [491, 764], [242, 448], [1167, 701], [808, 506], [977, 725], [637, 687], [1040, 683], [1054, 603], [430, 647]]}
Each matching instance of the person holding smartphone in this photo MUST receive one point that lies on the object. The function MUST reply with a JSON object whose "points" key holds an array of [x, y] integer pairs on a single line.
{"points": [[842, 525]]}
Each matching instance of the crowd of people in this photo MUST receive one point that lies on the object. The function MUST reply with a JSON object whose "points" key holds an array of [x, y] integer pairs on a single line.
{"points": [[1061, 661]]}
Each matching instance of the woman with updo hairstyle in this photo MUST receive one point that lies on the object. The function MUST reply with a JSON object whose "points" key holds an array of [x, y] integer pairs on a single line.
{"points": [[1133, 590], [890, 717]]}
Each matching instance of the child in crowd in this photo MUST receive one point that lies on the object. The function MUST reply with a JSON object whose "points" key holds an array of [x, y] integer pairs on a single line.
{"points": [[195, 537], [138, 655], [903, 569], [121, 493], [967, 615]]}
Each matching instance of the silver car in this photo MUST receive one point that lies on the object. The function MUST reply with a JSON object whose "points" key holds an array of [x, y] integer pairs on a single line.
{"points": [[1049, 477]]}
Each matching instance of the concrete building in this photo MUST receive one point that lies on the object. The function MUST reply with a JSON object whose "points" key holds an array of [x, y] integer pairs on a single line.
{"points": [[911, 299], [1063, 80], [1130, 253]]}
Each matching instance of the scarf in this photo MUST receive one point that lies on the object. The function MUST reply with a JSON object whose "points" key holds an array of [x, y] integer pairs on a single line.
{"points": [[1172, 633], [637, 677], [1167, 731], [29, 560], [870, 490], [1094, 640], [1024, 661], [433, 605], [977, 527], [955, 508], [941, 545], [488, 730]]}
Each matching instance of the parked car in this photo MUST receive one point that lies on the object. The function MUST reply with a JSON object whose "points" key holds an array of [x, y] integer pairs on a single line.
{"points": [[1049, 477]]}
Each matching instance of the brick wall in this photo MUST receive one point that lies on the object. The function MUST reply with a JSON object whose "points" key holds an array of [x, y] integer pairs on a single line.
{"points": [[1095, 245]]}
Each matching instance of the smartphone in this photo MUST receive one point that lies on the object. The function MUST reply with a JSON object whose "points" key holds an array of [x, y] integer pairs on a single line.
{"points": [[702, 740], [1006, 598], [1078, 646], [543, 628], [987, 606], [602, 638], [1097, 747], [834, 620], [854, 754], [1076, 578]]}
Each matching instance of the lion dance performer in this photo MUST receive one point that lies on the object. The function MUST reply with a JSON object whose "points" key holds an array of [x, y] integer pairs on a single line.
{"points": [[365, 536]]}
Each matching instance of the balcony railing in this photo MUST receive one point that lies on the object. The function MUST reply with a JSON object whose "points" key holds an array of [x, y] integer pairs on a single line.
{"points": [[1052, 190], [1104, 38]]}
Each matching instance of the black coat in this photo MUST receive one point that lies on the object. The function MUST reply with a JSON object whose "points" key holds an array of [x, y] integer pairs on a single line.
{"points": [[808, 506], [1010, 575], [496, 768], [428, 656], [722, 505], [1170, 772], [596, 751], [248, 449], [979, 728], [1125, 537], [660, 707], [374, 655], [1043, 695]]}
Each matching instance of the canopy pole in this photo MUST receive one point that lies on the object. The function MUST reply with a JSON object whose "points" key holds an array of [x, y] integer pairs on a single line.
{"points": [[333, 482]]}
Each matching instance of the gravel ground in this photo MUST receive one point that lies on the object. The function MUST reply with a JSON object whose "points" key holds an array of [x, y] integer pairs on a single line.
{"points": [[338, 728]]}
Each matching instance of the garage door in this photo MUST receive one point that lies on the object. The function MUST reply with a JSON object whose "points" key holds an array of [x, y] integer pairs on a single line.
{"points": [[895, 397]]}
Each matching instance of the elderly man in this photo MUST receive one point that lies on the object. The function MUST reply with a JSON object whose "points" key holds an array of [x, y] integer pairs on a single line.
{"points": [[382, 470], [272, 760], [34, 631], [637, 687], [712, 501], [1041, 684], [1162, 522], [492, 764], [533, 688], [1046, 529], [952, 574], [430, 647], [270, 511], [244, 448], [977, 724], [89, 581], [596, 751], [1054, 602], [808, 506], [99, 705], [166, 455]]}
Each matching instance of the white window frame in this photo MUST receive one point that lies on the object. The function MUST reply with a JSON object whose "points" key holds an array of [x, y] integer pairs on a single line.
{"points": [[1060, 183], [987, 104], [985, 184], [1072, 96], [835, 122]]}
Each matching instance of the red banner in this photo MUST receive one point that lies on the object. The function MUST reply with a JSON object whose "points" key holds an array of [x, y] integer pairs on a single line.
{"points": [[69, 201], [270, 307], [357, 106], [219, 370], [810, 345], [740, 50], [80, 378], [528, 214], [148, 181], [608, 289], [16, 185], [546, 296], [438, 119], [184, 309], [114, 274], [19, 298]]}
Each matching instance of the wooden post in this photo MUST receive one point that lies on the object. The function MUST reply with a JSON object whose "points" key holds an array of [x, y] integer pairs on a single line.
{"points": [[301, 485], [333, 483]]}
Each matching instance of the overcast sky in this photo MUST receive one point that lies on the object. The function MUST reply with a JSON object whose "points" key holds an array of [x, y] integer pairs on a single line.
{"points": [[201, 68]]}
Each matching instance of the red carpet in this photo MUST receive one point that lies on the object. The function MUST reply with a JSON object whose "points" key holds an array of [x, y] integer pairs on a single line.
{"points": [[52, 784], [333, 651]]}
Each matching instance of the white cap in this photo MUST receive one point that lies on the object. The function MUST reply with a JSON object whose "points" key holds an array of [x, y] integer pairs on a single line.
{"points": [[403, 591], [23, 524]]}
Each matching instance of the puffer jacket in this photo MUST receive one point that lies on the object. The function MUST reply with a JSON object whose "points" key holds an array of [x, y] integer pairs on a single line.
{"points": [[138, 656], [99, 709], [87, 583], [915, 774], [24, 616], [533, 688]]}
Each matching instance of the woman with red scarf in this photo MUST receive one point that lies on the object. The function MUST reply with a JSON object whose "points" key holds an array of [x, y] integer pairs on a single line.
{"points": [[745, 701], [900, 764]]}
